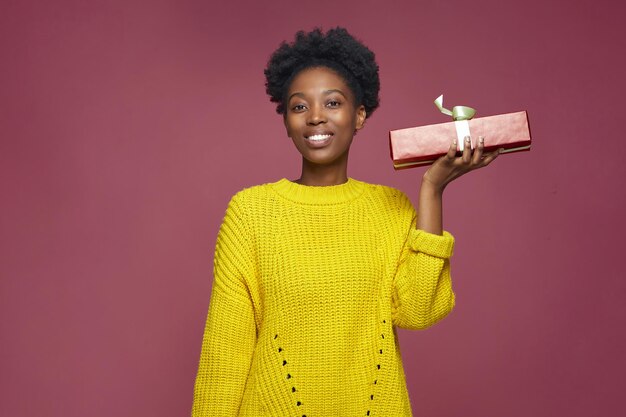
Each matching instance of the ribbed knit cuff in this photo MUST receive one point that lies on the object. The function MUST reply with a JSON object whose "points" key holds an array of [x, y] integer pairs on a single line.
{"points": [[431, 244]]}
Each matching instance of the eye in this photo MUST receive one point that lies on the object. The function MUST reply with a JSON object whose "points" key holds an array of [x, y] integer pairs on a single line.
{"points": [[298, 108], [333, 103]]}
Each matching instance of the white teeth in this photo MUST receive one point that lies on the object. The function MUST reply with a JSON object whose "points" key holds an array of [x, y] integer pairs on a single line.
{"points": [[318, 137]]}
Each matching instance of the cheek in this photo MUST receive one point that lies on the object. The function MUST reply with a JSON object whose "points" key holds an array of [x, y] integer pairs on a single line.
{"points": [[347, 120], [288, 127]]}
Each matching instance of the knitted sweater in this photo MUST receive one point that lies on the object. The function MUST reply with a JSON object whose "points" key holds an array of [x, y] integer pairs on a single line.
{"points": [[309, 285]]}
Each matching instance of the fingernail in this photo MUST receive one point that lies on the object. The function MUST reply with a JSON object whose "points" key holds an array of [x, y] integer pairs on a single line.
{"points": [[481, 139], [467, 139]]}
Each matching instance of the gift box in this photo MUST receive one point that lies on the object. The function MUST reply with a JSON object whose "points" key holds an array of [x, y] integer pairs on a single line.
{"points": [[423, 145]]}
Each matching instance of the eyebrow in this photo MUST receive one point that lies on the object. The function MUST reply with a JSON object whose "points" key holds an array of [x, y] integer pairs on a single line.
{"points": [[326, 92]]}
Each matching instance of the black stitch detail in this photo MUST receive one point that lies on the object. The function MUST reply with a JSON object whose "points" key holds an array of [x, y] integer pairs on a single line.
{"points": [[284, 362], [368, 412], [381, 351], [382, 335], [298, 403], [275, 336], [280, 349], [293, 389], [378, 366], [372, 397], [288, 376], [375, 381], [384, 321]]}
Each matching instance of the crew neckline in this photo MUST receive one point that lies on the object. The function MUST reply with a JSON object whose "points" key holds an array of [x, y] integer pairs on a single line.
{"points": [[319, 194]]}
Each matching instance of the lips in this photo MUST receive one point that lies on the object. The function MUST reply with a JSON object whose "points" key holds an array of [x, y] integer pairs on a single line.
{"points": [[317, 140], [318, 137]]}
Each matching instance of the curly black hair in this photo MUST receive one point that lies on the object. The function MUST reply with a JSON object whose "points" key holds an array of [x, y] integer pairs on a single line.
{"points": [[337, 50]]}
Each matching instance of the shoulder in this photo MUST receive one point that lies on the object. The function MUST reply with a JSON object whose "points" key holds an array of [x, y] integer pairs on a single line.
{"points": [[388, 196], [391, 207], [250, 199], [252, 193]]}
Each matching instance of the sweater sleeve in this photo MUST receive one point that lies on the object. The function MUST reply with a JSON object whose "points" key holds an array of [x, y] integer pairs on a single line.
{"points": [[230, 332], [422, 291]]}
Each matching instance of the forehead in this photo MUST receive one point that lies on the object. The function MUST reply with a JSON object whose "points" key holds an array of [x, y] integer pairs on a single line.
{"points": [[318, 79]]}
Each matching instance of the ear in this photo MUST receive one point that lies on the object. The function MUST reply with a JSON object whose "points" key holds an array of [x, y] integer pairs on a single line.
{"points": [[360, 117]]}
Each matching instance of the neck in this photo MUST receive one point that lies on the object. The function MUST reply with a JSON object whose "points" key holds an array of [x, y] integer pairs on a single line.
{"points": [[323, 175]]}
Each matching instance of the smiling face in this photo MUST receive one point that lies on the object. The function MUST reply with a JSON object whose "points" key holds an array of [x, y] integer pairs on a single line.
{"points": [[321, 117]]}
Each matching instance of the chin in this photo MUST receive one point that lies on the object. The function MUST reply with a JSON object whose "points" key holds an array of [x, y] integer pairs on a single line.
{"points": [[323, 161]]}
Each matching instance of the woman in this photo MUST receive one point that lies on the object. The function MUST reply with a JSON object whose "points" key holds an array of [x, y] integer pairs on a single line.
{"points": [[313, 275]]}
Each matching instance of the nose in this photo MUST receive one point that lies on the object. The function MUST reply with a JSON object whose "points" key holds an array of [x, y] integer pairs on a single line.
{"points": [[316, 115]]}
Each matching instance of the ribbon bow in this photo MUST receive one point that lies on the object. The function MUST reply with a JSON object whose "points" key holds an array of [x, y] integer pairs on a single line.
{"points": [[457, 113]]}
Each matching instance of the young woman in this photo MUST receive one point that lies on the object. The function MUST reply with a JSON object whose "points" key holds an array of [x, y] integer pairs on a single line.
{"points": [[313, 275]]}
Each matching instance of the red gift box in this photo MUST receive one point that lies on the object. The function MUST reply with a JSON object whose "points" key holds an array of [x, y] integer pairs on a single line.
{"points": [[419, 146]]}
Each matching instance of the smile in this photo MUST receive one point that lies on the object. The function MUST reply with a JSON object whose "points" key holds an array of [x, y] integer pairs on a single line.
{"points": [[319, 138]]}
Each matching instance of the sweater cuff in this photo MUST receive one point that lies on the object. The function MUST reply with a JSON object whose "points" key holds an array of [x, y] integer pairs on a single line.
{"points": [[431, 244]]}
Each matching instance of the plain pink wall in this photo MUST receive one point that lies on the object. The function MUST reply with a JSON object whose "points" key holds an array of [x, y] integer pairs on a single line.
{"points": [[127, 125]]}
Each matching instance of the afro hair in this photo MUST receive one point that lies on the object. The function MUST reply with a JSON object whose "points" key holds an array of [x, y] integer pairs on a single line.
{"points": [[337, 50]]}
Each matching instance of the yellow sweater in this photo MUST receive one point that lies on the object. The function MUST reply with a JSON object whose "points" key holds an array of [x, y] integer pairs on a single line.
{"points": [[309, 285]]}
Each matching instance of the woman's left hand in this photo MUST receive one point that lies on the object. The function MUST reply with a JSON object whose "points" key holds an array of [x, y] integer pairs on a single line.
{"points": [[450, 167]]}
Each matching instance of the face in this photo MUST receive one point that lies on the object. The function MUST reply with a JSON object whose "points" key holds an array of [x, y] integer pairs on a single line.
{"points": [[321, 116]]}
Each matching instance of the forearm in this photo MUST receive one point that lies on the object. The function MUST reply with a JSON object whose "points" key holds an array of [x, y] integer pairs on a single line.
{"points": [[422, 285], [429, 209], [227, 349]]}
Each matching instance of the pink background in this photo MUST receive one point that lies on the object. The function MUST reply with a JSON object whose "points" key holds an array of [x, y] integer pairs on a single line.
{"points": [[127, 125]]}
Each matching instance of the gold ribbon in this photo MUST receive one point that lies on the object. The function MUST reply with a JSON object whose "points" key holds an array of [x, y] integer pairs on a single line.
{"points": [[457, 113]]}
